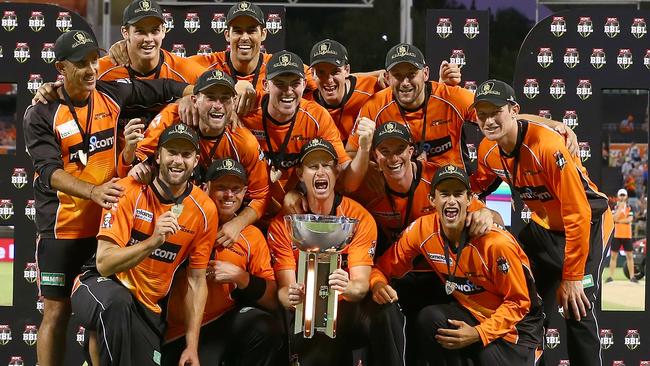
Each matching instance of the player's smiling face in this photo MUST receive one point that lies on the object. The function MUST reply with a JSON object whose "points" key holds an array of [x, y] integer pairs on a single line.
{"points": [[144, 38], [227, 193], [450, 200], [81, 76], [331, 81], [393, 157], [495, 122], [176, 160], [407, 83], [245, 37], [318, 170], [216, 108], [285, 92]]}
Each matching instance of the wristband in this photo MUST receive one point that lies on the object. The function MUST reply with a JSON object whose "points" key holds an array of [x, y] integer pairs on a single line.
{"points": [[253, 292]]}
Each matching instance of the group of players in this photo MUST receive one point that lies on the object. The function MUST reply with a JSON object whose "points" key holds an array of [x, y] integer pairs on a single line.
{"points": [[156, 177]]}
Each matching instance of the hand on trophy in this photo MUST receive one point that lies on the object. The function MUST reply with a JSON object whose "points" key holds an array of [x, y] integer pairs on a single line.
{"points": [[296, 294], [339, 280]]}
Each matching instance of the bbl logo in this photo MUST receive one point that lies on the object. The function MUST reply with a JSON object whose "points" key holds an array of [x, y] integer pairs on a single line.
{"points": [[9, 20], [612, 28], [64, 21], [36, 21], [47, 53], [443, 29], [19, 178], [618, 363], [644, 363], [531, 88], [218, 23], [632, 339], [39, 304], [564, 363], [558, 26], [35, 81], [457, 57], [471, 30], [552, 338], [624, 58], [16, 361], [584, 150], [471, 86], [545, 113], [30, 335], [192, 22], [81, 336], [6, 209], [5, 334], [526, 214], [639, 28], [570, 119], [606, 338], [646, 58], [584, 89], [471, 152], [558, 89], [178, 49], [571, 57], [585, 27], [545, 57], [21, 53], [30, 210], [204, 49], [274, 23], [169, 21], [597, 58], [31, 272]]}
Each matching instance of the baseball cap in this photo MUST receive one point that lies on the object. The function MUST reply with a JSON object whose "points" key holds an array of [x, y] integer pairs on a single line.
{"points": [[405, 52], [179, 131], [140, 9], [74, 45], [495, 92], [391, 130], [622, 192], [222, 167], [214, 77], [450, 172], [284, 62], [245, 9], [328, 51], [317, 144]]}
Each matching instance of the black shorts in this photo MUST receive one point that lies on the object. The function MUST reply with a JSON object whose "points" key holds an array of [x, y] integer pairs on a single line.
{"points": [[625, 243], [59, 261]]}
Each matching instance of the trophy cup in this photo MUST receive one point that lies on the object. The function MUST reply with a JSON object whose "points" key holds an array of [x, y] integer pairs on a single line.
{"points": [[320, 239]]}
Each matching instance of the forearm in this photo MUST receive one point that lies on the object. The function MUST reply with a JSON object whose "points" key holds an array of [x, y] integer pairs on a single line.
{"points": [[68, 184], [356, 290], [356, 171], [269, 300], [195, 298], [283, 296], [117, 259], [535, 118], [247, 216]]}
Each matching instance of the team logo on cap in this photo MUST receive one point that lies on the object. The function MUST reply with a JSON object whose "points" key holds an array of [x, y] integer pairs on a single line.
{"points": [[218, 23], [606, 338], [612, 28], [204, 49], [571, 57], [639, 27], [80, 38], [471, 152], [192, 22], [584, 150], [145, 5], [21, 53], [30, 335], [30, 210], [584, 89], [35, 81], [390, 127], [402, 51], [284, 61], [5, 334], [632, 339], [531, 88], [228, 164], [36, 21], [9, 20], [6, 209], [597, 58], [557, 89], [16, 361], [216, 75], [646, 58], [63, 21], [19, 178], [558, 26], [545, 57], [486, 88], [545, 113], [570, 119], [471, 86], [81, 336], [168, 18], [471, 29], [624, 58], [178, 49], [443, 29], [242, 6], [47, 53], [30, 272], [273, 23], [457, 57], [552, 338], [585, 26], [526, 214]]}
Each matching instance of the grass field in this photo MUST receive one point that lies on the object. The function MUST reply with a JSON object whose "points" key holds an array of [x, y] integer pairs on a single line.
{"points": [[6, 283], [621, 294]]}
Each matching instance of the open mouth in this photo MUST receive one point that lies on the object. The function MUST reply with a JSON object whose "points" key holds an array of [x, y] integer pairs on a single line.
{"points": [[395, 167], [330, 88], [244, 47], [287, 100], [451, 213], [176, 172], [216, 115], [148, 48], [321, 184], [227, 203]]}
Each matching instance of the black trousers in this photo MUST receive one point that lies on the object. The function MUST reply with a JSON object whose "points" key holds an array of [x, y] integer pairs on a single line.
{"points": [[244, 336], [127, 332]]}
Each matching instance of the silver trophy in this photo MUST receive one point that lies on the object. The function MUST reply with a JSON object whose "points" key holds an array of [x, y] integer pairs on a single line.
{"points": [[320, 240]]}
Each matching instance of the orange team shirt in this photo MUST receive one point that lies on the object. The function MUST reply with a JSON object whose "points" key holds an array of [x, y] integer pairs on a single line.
{"points": [[553, 184], [249, 253], [345, 114], [169, 67], [134, 220], [359, 252], [239, 145], [623, 230], [493, 278], [446, 110], [311, 121]]}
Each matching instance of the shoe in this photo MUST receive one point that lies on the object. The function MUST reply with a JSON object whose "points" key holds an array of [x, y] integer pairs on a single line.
{"points": [[609, 279], [634, 280]]}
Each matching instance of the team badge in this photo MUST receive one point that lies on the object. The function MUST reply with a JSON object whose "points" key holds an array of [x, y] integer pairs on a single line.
{"points": [[570, 119], [9, 20], [471, 28], [571, 57], [35, 81], [6, 209], [16, 361], [274, 23], [47, 53], [5, 334], [30, 335], [552, 338], [584, 151], [457, 57], [178, 49], [558, 26], [471, 152], [19, 178], [36, 21], [632, 339], [639, 28], [597, 58], [107, 221], [204, 49], [585, 27], [471, 86], [526, 214], [545, 57], [612, 28], [324, 291], [545, 113], [606, 338], [218, 23], [624, 58], [531, 88], [557, 89], [81, 336], [21, 53], [583, 91], [30, 272], [168, 18], [64, 21], [40, 305], [646, 58], [192, 22], [30, 210], [560, 161], [444, 29], [503, 265]]}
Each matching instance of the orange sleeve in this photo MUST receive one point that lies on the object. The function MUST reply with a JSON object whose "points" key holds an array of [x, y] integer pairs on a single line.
{"points": [[368, 110], [167, 117], [461, 98], [280, 245], [117, 222], [327, 130], [311, 82], [189, 69], [260, 262], [205, 61], [252, 158], [362, 247], [483, 177], [475, 204], [206, 236], [398, 259]]}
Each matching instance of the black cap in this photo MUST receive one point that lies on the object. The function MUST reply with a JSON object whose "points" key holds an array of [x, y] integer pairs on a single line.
{"points": [[496, 92], [405, 52], [391, 130], [284, 62], [222, 167], [74, 45], [245, 9], [450, 172], [316, 145], [328, 51], [179, 131], [140, 9], [214, 77]]}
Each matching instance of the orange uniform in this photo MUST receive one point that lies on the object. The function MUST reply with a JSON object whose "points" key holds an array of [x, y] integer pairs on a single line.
{"points": [[621, 229], [249, 253], [492, 275], [134, 219], [170, 66]]}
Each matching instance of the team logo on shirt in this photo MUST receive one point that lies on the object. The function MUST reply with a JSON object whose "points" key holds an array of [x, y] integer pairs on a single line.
{"points": [[632, 339], [471, 86], [584, 151], [5, 334], [560, 161], [439, 258], [558, 26], [606, 338], [612, 28], [192, 22], [545, 113], [539, 193], [597, 58], [585, 26], [30, 272], [178, 49], [503, 265], [557, 89], [444, 29], [30, 335], [571, 57], [6, 209], [584, 89], [166, 253], [471, 28], [457, 57], [30, 210], [552, 338], [545, 57], [47, 53], [624, 58], [204, 49], [9, 20], [36, 21], [16, 361], [639, 27], [437, 147], [168, 18], [144, 215], [218, 23], [19, 178], [21, 53], [35, 81], [64, 21], [531, 88], [570, 119], [107, 221], [81, 336], [273, 23]]}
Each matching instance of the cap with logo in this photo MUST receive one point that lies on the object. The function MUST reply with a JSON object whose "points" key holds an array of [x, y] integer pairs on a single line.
{"points": [[495, 92], [179, 131], [214, 77], [622, 192], [245, 9], [74, 45], [405, 52], [391, 130], [328, 51], [450, 172], [140, 9], [222, 167], [284, 62], [318, 144]]}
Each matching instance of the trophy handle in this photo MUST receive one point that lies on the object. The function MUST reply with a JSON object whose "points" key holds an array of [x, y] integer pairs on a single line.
{"points": [[333, 300], [304, 316]]}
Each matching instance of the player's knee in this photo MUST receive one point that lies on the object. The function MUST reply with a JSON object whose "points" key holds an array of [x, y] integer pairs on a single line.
{"points": [[119, 301], [265, 329], [56, 310], [432, 317]]}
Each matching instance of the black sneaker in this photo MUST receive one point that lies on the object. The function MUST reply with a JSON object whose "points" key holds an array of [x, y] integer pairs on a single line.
{"points": [[634, 280]]}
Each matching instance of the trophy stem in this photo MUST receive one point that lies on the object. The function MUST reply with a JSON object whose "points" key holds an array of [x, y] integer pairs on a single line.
{"points": [[333, 300]]}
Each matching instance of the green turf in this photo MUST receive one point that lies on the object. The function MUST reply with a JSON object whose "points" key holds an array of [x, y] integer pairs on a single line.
{"points": [[6, 283], [618, 274]]}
